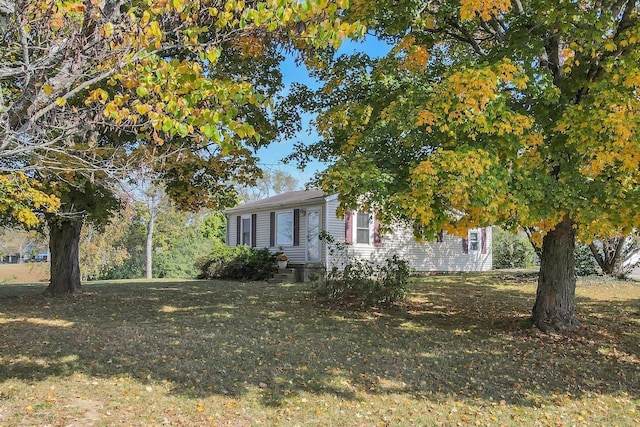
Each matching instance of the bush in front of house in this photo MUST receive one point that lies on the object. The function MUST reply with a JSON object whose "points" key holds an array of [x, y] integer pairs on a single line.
{"points": [[361, 280], [393, 280], [367, 283], [511, 250], [237, 263]]}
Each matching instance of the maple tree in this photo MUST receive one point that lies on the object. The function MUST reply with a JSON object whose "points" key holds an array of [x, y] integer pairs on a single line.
{"points": [[91, 88], [519, 113], [616, 256]]}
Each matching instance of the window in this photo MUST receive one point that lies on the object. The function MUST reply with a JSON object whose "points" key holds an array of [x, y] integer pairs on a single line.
{"points": [[363, 228], [284, 228], [246, 231], [474, 241]]}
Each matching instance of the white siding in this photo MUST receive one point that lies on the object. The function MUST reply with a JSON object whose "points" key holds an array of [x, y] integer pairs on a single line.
{"points": [[427, 256], [262, 229], [296, 254], [232, 239], [447, 255], [335, 225]]}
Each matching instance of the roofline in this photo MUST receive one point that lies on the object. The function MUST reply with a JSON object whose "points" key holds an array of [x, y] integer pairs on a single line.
{"points": [[266, 206]]}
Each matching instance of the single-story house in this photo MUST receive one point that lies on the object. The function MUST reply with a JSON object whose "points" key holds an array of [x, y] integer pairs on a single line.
{"points": [[292, 223]]}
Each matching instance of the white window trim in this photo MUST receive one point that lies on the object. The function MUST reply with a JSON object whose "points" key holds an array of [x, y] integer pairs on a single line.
{"points": [[354, 231], [478, 233], [277, 242], [242, 218]]}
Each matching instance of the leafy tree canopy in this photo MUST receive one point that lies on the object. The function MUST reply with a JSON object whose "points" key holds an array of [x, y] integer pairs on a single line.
{"points": [[85, 84], [520, 113]]}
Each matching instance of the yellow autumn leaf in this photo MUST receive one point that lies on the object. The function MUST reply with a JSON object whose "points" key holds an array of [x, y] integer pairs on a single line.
{"points": [[48, 89], [108, 29], [178, 5], [61, 102], [142, 108]]}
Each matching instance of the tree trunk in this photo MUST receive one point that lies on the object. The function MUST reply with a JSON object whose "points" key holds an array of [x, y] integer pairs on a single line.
{"points": [[612, 257], [554, 309], [64, 244], [149, 248]]}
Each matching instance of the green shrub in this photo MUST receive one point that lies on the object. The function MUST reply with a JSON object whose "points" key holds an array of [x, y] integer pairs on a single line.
{"points": [[362, 280], [511, 250], [585, 262], [176, 261], [237, 263], [394, 280]]}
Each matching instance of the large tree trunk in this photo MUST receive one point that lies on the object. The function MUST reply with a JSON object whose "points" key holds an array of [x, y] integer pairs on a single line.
{"points": [[64, 245], [554, 309]]}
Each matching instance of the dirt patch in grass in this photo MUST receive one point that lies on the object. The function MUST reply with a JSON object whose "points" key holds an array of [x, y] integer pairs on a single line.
{"points": [[223, 353], [30, 272]]}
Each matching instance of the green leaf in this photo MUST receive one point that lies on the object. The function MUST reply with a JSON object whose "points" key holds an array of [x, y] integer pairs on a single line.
{"points": [[182, 129], [142, 91], [167, 124]]}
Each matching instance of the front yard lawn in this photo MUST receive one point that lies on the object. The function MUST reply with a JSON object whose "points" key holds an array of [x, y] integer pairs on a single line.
{"points": [[223, 353]]}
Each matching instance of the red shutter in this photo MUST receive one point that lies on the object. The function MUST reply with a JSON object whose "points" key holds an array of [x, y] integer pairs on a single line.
{"points": [[272, 229], [254, 228], [238, 229], [296, 227], [377, 240], [483, 242], [440, 238], [348, 227]]}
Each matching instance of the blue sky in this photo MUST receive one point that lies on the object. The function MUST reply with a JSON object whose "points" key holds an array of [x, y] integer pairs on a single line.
{"points": [[271, 156]]}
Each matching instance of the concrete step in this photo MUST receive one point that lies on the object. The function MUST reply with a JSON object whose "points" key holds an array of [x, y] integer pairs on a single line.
{"points": [[283, 278]]}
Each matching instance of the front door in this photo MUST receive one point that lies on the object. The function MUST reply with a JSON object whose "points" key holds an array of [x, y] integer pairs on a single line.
{"points": [[313, 235]]}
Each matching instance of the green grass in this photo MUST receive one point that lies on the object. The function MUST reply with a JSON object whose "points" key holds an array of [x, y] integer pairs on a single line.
{"points": [[219, 353]]}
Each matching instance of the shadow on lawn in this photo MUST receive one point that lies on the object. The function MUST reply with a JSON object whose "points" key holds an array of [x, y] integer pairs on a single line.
{"points": [[459, 336]]}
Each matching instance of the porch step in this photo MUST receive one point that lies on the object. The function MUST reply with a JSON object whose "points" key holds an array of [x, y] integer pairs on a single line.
{"points": [[284, 275]]}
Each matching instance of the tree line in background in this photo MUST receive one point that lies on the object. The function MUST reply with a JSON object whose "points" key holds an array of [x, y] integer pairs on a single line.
{"points": [[118, 251], [149, 236], [615, 257]]}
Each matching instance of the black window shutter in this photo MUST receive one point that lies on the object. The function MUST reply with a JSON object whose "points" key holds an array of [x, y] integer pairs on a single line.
{"points": [[238, 230], [254, 228], [465, 246], [272, 229], [296, 227], [440, 236]]}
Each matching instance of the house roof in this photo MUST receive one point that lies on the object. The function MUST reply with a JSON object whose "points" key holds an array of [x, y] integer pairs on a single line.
{"points": [[282, 200]]}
